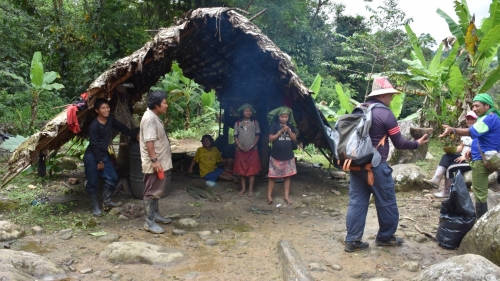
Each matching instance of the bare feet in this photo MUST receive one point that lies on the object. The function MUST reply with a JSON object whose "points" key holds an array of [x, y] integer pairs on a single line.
{"points": [[242, 192], [288, 201], [250, 193], [269, 201]]}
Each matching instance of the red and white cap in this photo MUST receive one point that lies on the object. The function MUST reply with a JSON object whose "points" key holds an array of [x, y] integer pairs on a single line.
{"points": [[382, 86], [471, 114]]}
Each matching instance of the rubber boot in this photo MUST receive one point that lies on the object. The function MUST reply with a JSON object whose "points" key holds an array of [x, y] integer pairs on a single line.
{"points": [[150, 224], [96, 211], [159, 218], [107, 204], [446, 191], [438, 175], [481, 209]]}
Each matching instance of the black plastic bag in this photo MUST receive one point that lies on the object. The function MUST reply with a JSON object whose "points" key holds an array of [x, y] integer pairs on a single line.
{"points": [[42, 168], [457, 215]]}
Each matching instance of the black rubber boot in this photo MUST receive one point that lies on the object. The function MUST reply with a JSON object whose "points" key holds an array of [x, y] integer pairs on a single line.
{"points": [[159, 218], [96, 211], [149, 211], [107, 204], [481, 209]]}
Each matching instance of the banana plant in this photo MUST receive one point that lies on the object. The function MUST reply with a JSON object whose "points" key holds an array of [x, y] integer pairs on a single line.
{"points": [[347, 104], [432, 77], [39, 81], [480, 45], [181, 88]]}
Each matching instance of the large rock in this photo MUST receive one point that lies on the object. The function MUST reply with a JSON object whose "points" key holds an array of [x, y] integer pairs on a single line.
{"points": [[493, 198], [492, 179], [141, 252], [409, 177], [10, 231], [465, 268], [483, 238], [397, 156], [19, 265]]}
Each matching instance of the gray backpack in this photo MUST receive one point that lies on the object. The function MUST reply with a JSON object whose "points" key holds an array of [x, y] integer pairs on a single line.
{"points": [[353, 145]]}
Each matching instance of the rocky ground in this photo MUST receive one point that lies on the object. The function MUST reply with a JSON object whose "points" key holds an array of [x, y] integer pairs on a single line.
{"points": [[236, 238]]}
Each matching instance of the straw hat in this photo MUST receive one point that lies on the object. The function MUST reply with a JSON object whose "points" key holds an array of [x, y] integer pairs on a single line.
{"points": [[382, 86]]}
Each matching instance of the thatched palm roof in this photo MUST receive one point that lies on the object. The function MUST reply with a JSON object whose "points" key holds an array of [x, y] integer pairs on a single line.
{"points": [[217, 47]]}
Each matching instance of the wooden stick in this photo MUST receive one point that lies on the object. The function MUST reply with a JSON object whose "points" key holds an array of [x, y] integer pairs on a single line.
{"points": [[61, 106], [241, 11], [425, 233], [258, 14], [248, 5]]}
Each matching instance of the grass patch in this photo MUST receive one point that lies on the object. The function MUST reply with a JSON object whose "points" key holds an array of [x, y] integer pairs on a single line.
{"points": [[436, 150], [311, 154]]}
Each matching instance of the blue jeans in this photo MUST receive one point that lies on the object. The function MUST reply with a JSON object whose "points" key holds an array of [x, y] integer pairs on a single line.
{"points": [[92, 174], [385, 202]]}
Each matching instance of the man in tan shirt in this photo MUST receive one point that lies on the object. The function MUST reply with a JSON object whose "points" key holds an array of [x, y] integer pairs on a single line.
{"points": [[156, 159]]}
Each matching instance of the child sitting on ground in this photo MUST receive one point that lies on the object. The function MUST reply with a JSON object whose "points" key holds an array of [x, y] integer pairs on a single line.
{"points": [[208, 157]]}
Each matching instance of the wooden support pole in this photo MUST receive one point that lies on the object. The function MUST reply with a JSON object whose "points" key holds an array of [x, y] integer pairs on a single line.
{"points": [[248, 5], [258, 14], [293, 267]]}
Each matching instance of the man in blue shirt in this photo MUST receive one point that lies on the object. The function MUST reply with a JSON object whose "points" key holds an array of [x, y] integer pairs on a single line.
{"points": [[485, 135]]}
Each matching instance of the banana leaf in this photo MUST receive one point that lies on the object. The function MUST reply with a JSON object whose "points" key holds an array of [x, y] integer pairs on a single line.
{"points": [[316, 85], [462, 11], [451, 57], [489, 43], [455, 29], [494, 18], [343, 98], [471, 39], [397, 104], [436, 60], [456, 82], [491, 80], [417, 51]]}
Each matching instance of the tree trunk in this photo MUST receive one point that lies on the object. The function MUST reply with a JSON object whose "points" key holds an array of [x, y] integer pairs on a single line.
{"points": [[34, 105], [188, 109]]}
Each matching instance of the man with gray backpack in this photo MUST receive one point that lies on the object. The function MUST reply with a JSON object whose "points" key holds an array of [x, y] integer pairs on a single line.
{"points": [[361, 148]]}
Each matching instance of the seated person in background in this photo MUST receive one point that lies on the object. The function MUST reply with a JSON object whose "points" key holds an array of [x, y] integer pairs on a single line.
{"points": [[452, 163], [208, 157]]}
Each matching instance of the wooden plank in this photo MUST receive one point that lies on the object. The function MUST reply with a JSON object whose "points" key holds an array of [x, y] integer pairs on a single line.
{"points": [[293, 267]]}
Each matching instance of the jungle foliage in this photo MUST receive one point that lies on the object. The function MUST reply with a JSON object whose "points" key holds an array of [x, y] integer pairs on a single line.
{"points": [[79, 40]]}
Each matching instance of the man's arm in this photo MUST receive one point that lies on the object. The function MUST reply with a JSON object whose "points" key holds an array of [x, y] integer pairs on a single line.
{"points": [[457, 131], [190, 170], [122, 128], [150, 147], [394, 132]]}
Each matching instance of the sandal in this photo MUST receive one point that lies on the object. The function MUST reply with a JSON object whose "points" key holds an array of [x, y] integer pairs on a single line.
{"points": [[269, 202]]}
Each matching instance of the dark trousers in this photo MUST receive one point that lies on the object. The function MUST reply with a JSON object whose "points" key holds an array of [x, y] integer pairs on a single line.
{"points": [[92, 174], [448, 161], [385, 202]]}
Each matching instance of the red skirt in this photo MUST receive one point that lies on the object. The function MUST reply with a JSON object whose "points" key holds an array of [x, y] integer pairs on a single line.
{"points": [[247, 163]]}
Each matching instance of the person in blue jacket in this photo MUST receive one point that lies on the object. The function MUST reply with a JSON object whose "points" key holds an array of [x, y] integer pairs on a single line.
{"points": [[485, 134]]}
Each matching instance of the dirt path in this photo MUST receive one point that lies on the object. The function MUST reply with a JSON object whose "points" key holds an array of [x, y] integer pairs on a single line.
{"points": [[248, 231]]}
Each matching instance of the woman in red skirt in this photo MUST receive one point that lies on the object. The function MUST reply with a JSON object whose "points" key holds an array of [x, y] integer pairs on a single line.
{"points": [[282, 160], [246, 159]]}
